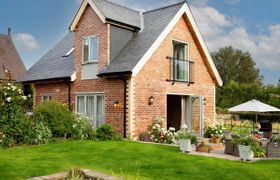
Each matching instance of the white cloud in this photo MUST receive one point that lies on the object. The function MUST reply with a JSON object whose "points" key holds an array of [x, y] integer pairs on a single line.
{"points": [[26, 42], [220, 30]]}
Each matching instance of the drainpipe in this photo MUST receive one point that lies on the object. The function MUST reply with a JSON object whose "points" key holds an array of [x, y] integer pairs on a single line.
{"points": [[69, 95], [124, 107]]}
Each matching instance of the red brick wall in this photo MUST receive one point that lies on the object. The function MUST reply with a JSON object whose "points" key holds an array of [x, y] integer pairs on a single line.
{"points": [[151, 80], [90, 24], [58, 90]]}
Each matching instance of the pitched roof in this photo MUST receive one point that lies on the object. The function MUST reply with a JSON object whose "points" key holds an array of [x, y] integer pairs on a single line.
{"points": [[155, 22], [118, 13], [110, 12], [54, 64], [9, 59], [155, 26]]}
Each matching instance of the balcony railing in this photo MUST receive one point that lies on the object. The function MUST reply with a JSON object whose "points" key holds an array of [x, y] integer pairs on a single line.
{"points": [[181, 70]]}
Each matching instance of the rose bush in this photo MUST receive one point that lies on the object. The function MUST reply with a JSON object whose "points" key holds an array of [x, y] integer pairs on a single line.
{"points": [[161, 135], [14, 124]]}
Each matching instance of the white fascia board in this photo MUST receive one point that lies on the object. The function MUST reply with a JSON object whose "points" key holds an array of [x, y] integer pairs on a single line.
{"points": [[73, 76], [204, 47], [184, 10], [81, 11]]}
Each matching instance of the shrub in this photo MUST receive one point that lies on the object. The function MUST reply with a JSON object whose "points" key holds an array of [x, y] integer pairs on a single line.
{"points": [[105, 132], [13, 121], [161, 135], [82, 128], [56, 116], [214, 131], [118, 137], [275, 139], [39, 134]]}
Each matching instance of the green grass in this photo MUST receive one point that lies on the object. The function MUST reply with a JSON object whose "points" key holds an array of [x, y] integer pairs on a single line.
{"points": [[127, 158]]}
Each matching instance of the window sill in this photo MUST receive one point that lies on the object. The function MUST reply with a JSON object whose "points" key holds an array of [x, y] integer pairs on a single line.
{"points": [[90, 62]]}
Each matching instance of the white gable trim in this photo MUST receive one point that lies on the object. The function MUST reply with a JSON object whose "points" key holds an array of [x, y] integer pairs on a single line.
{"points": [[184, 10], [81, 11]]}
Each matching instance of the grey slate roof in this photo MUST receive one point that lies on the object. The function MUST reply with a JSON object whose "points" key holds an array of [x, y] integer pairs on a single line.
{"points": [[155, 22], [9, 59], [118, 13], [53, 65]]}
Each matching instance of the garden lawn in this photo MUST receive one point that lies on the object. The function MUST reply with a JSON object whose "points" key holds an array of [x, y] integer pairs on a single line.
{"points": [[128, 159]]}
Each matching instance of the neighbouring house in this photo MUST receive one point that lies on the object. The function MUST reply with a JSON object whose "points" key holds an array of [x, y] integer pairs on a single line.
{"points": [[126, 68], [11, 65]]}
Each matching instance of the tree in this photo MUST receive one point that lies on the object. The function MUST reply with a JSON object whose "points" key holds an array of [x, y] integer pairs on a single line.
{"points": [[233, 64]]}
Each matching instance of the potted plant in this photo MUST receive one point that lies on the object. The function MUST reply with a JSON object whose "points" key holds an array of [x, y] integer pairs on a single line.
{"points": [[203, 147], [244, 147], [215, 133], [273, 147], [186, 139]]}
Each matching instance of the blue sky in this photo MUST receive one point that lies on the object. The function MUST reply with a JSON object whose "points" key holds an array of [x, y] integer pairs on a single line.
{"points": [[250, 25]]}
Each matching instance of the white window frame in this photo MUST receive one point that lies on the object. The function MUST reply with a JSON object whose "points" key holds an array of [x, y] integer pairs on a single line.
{"points": [[89, 49], [49, 97], [187, 57], [94, 122]]}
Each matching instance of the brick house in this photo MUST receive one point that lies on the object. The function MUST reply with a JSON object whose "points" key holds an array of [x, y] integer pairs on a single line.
{"points": [[126, 68], [11, 65]]}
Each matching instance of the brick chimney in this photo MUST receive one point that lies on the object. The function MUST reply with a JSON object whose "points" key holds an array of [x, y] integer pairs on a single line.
{"points": [[9, 31]]}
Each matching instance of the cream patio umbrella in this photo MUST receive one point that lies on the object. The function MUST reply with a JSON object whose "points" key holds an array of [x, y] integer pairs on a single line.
{"points": [[254, 106]]}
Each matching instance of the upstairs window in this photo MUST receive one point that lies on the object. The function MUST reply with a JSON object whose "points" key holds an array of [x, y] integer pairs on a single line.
{"points": [[90, 49], [181, 64]]}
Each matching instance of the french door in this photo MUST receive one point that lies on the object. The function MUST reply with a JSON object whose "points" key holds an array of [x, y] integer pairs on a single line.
{"points": [[92, 105], [192, 114]]}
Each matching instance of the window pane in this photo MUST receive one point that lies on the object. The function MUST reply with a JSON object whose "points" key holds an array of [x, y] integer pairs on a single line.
{"points": [[90, 109], [81, 104], [94, 48], [181, 66], [100, 111], [86, 50]]}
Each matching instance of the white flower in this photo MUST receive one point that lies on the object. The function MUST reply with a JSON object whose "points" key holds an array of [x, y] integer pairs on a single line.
{"points": [[14, 88], [9, 84], [172, 129], [24, 97], [8, 88], [29, 95], [9, 99], [5, 94], [184, 126]]}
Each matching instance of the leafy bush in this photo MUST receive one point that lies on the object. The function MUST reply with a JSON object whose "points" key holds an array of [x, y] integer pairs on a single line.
{"points": [[105, 132], [275, 139], [82, 128], [161, 135], [214, 131], [56, 116], [39, 134], [13, 121], [118, 137]]}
